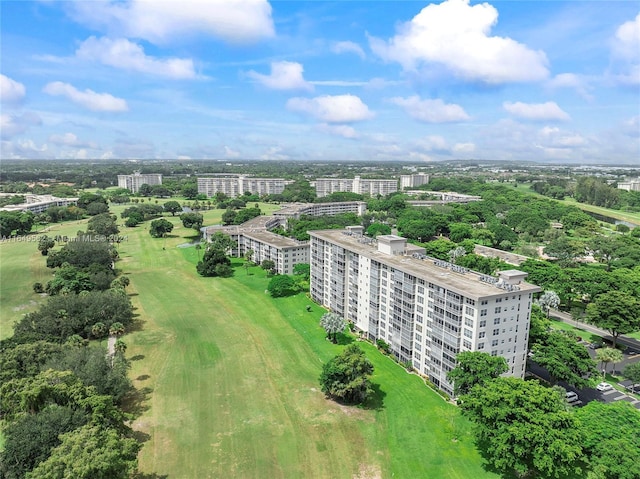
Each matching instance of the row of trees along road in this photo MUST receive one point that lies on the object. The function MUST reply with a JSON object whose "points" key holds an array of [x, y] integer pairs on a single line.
{"points": [[525, 429], [61, 392]]}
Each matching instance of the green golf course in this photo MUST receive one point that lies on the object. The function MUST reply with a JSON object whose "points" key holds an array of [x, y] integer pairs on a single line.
{"points": [[227, 377]]}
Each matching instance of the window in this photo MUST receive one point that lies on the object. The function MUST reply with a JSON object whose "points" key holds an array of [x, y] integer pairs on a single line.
{"points": [[481, 335], [480, 345], [498, 309], [483, 312], [496, 321], [499, 300], [483, 302], [482, 324], [494, 353], [494, 342], [468, 334], [468, 322], [469, 311], [496, 332], [466, 344]]}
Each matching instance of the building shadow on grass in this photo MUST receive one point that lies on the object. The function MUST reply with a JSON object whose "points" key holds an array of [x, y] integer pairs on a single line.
{"points": [[344, 339]]}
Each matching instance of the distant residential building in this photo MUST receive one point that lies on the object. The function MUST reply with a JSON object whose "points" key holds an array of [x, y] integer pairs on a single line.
{"points": [[135, 181], [413, 181], [427, 310], [372, 187], [630, 185], [39, 203], [256, 234], [444, 196], [234, 186]]}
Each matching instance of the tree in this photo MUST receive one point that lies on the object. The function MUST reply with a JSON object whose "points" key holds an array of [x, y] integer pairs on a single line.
{"points": [[29, 439], [610, 438], [45, 244], [268, 265], [524, 428], [608, 355], [214, 263], [190, 191], [303, 270], [222, 241], [282, 285], [565, 359], [632, 373], [229, 217], [346, 377], [548, 300], [333, 324], [172, 207], [90, 452], [159, 228], [376, 229], [615, 311], [565, 250], [192, 220], [103, 224], [474, 367], [99, 331], [69, 279]]}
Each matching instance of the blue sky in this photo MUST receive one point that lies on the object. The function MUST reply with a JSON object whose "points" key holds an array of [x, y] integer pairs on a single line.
{"points": [[546, 81]]}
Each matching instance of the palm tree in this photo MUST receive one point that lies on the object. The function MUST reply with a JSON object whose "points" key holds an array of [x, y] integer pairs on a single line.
{"points": [[120, 346], [333, 324], [98, 330], [116, 329], [608, 355]]}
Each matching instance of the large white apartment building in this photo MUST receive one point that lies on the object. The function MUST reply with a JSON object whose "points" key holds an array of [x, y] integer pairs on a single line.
{"points": [[426, 310], [326, 186], [413, 181], [39, 203], [238, 185], [629, 185], [135, 181]]}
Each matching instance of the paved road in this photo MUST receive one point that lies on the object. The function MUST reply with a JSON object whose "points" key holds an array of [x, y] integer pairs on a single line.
{"points": [[631, 343]]}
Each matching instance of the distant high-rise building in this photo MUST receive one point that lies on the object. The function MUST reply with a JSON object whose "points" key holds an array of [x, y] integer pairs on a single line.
{"points": [[425, 309], [413, 181], [372, 187], [234, 186], [135, 181]]}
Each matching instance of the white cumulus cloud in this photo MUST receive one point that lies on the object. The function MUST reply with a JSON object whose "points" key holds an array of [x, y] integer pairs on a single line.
{"points": [[579, 83], [88, 99], [11, 91], [457, 36], [344, 131], [536, 111], [70, 139], [431, 111], [348, 47], [332, 109], [12, 125], [626, 52], [283, 76], [238, 21], [126, 55]]}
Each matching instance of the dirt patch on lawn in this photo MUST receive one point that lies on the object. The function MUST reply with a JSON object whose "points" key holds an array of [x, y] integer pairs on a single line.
{"points": [[368, 471]]}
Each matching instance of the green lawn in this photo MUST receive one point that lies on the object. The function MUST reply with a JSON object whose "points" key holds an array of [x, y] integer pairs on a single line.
{"points": [[228, 377]]}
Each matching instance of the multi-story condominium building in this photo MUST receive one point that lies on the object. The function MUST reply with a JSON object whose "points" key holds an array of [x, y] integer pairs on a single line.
{"points": [[39, 203], [427, 310], [630, 185], [135, 181], [413, 181], [285, 252], [239, 185], [326, 186], [296, 210]]}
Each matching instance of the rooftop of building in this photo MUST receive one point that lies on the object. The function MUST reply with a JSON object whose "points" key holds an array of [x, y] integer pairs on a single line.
{"points": [[456, 278], [273, 239]]}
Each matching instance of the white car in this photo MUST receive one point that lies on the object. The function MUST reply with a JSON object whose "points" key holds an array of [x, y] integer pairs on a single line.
{"points": [[571, 397], [604, 387]]}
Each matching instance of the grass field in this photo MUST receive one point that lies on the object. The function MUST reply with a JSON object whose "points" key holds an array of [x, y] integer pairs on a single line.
{"points": [[228, 377]]}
